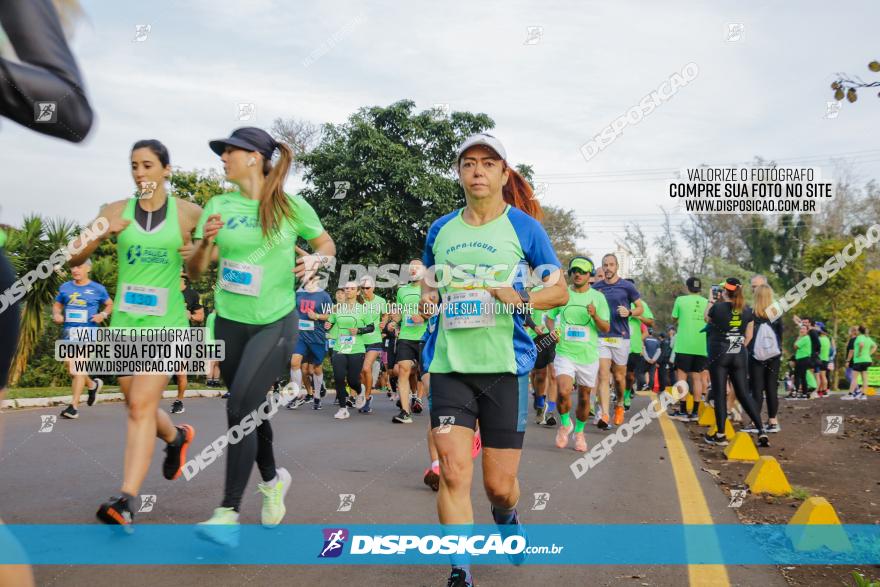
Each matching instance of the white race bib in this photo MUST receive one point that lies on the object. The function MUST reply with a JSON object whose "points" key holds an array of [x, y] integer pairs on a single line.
{"points": [[345, 342], [468, 309], [408, 321], [76, 316], [306, 325], [612, 341], [143, 299], [240, 278], [574, 333]]}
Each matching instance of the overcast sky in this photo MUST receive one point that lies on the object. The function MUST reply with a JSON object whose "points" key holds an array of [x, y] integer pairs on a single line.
{"points": [[764, 94]]}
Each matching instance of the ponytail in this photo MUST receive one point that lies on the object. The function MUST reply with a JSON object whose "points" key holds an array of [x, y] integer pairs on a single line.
{"points": [[518, 193], [274, 204], [737, 298]]}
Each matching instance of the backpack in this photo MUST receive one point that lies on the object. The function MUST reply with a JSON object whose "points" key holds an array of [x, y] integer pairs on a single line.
{"points": [[766, 345]]}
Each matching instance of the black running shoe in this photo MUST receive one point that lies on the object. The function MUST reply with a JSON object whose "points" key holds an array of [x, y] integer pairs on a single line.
{"points": [[402, 418], [458, 578], [432, 479], [177, 407], [716, 439], [93, 392], [550, 421], [416, 405], [175, 455], [116, 511], [323, 391], [70, 413], [763, 440], [349, 403], [225, 395]]}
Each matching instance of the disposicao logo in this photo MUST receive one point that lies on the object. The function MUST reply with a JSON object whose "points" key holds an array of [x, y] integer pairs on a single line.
{"points": [[134, 253], [334, 541]]}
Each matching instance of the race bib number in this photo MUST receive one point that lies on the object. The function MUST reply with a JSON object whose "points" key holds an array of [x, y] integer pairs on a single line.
{"points": [[143, 299], [345, 342], [306, 325], [468, 309], [577, 333], [240, 278], [611, 341], [331, 343], [735, 343], [408, 321], [78, 316]]}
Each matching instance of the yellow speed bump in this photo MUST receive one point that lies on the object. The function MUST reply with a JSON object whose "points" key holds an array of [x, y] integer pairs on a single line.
{"points": [[729, 432], [815, 524], [707, 418], [767, 477], [741, 448], [870, 391]]}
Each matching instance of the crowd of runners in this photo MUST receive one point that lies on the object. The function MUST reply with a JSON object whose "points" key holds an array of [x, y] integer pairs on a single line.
{"points": [[579, 338], [441, 344]]}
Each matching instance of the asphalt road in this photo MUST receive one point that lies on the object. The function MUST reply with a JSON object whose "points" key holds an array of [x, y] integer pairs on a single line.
{"points": [[62, 476]]}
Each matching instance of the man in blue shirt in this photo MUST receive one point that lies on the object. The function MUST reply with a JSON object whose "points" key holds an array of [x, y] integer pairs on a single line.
{"points": [[78, 305], [313, 308], [614, 344]]}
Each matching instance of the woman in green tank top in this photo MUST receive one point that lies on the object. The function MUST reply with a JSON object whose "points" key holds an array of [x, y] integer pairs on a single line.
{"points": [[153, 236], [252, 234]]}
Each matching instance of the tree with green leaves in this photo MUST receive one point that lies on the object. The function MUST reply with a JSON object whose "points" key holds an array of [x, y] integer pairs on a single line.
{"points": [[380, 178], [27, 247]]}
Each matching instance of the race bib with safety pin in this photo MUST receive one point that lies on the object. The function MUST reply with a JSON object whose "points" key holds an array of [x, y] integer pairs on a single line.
{"points": [[76, 316], [306, 325], [612, 341], [468, 309], [144, 299], [574, 333], [240, 278]]}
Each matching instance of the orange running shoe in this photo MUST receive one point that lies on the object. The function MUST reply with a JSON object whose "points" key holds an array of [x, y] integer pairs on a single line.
{"points": [[618, 415]]}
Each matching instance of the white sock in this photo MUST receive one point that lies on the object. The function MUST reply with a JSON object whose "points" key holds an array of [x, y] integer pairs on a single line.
{"points": [[319, 382], [296, 377], [435, 464]]}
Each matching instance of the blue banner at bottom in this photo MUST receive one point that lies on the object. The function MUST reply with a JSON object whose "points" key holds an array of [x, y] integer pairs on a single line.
{"points": [[540, 544]]}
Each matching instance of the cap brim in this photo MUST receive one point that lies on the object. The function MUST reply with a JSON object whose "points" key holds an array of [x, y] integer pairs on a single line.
{"points": [[478, 144], [219, 145]]}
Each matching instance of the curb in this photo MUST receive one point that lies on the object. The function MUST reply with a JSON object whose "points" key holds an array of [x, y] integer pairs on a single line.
{"points": [[61, 400]]}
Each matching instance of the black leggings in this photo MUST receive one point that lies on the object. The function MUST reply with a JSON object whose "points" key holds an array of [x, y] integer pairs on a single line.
{"points": [[10, 320], [346, 367], [801, 367], [764, 380], [255, 356], [731, 365]]}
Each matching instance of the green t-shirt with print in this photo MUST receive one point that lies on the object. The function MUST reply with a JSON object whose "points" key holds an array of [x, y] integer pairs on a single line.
{"points": [[578, 335]]}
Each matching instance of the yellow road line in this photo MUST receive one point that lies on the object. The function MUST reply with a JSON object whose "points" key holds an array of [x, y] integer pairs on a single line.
{"points": [[694, 509]]}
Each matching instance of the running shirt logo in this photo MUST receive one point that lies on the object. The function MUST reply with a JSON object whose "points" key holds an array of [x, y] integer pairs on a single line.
{"points": [[334, 541], [241, 221], [133, 254], [146, 255]]}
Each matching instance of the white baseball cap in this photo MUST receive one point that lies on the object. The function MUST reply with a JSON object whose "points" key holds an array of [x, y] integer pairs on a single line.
{"points": [[484, 139]]}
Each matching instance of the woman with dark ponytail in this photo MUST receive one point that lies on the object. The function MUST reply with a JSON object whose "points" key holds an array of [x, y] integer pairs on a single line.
{"points": [[252, 234]]}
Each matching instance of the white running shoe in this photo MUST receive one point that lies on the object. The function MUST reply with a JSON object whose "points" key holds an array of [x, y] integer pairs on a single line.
{"points": [[273, 498], [360, 400], [342, 414], [223, 528]]}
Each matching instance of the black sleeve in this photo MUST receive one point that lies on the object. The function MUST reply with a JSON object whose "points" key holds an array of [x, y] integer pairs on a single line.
{"points": [[47, 72], [367, 329]]}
